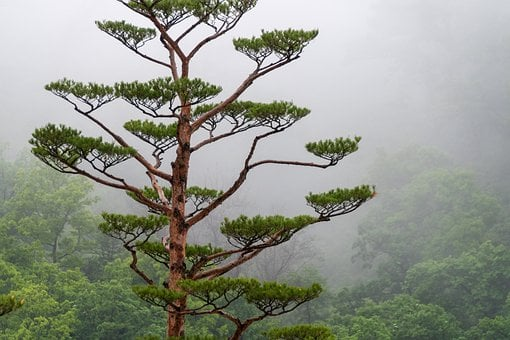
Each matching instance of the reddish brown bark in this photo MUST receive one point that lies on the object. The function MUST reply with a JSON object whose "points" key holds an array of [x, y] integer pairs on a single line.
{"points": [[178, 229]]}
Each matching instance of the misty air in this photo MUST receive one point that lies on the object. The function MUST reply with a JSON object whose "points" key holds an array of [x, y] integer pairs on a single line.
{"points": [[243, 169]]}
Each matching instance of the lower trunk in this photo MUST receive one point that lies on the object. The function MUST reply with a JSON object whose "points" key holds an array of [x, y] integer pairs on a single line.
{"points": [[175, 326], [177, 252]]}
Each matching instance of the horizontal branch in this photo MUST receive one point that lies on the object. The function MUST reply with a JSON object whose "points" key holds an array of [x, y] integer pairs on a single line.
{"points": [[295, 163]]}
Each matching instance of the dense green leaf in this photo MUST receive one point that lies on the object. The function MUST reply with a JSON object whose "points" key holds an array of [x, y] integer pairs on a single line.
{"points": [[91, 94], [220, 14], [129, 228], [471, 286], [161, 136], [130, 35], [285, 45], [407, 318], [63, 148], [276, 298], [340, 201], [240, 116], [151, 96], [333, 150], [157, 296], [301, 332], [245, 231], [218, 292]]}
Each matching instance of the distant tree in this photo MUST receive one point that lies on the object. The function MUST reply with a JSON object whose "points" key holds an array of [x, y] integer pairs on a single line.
{"points": [[52, 210], [182, 121], [495, 328], [305, 332], [48, 310], [471, 286], [406, 318], [438, 211], [7, 176]]}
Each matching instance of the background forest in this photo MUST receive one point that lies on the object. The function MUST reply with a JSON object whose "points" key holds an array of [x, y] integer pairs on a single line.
{"points": [[431, 259]]}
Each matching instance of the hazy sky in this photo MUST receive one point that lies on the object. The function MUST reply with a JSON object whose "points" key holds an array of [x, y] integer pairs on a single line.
{"points": [[389, 70]]}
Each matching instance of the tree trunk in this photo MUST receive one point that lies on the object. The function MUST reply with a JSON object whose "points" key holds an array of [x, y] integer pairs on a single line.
{"points": [[175, 327], [54, 249], [241, 328], [178, 227]]}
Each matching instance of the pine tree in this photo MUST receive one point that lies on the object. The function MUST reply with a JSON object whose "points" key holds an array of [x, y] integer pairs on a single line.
{"points": [[176, 108]]}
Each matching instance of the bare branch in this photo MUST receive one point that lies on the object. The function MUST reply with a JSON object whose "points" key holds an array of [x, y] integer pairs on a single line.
{"points": [[133, 265], [296, 163], [224, 28]]}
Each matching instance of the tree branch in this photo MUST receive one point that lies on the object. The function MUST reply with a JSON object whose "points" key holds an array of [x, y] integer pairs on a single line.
{"points": [[257, 73], [296, 163], [123, 143], [219, 33], [134, 267]]}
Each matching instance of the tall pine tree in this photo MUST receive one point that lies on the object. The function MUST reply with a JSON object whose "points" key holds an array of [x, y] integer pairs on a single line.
{"points": [[180, 120]]}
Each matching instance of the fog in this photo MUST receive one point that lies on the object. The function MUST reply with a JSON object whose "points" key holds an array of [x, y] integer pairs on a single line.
{"points": [[396, 72]]}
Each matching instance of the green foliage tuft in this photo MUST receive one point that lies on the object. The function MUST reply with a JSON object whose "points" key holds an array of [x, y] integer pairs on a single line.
{"points": [[275, 110], [245, 115], [91, 94], [197, 250], [218, 292], [245, 231], [221, 14], [155, 250], [285, 45], [301, 332], [63, 148], [340, 201], [194, 252], [157, 296], [161, 136], [151, 96], [333, 150], [129, 228], [275, 298], [195, 195], [271, 298], [130, 35]]}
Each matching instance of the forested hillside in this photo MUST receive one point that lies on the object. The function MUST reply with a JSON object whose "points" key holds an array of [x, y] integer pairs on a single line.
{"points": [[437, 241]]}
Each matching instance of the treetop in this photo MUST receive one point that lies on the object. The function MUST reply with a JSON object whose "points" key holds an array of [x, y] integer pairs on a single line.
{"points": [[218, 14]]}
